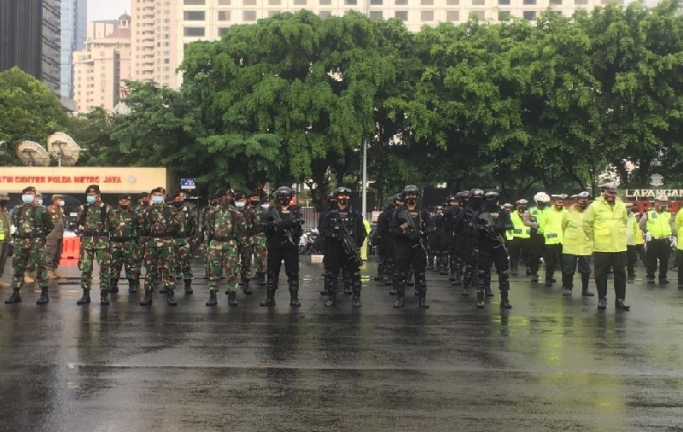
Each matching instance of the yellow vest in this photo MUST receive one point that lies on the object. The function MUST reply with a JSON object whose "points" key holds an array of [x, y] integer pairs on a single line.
{"points": [[659, 224], [639, 240], [679, 229], [519, 230], [606, 225], [574, 238], [551, 224], [537, 216]]}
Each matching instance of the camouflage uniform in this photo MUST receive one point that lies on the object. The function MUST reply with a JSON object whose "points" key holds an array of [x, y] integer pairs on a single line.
{"points": [[161, 225], [96, 221], [205, 240], [143, 238], [188, 225], [33, 224], [249, 244], [55, 239], [125, 248], [260, 253], [226, 231]]}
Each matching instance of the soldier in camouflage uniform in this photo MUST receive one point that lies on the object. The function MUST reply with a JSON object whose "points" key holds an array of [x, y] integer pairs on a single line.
{"points": [[124, 246], [183, 247], [247, 251], [55, 240], [259, 237], [160, 224], [95, 220], [33, 224], [30, 273], [226, 231]]}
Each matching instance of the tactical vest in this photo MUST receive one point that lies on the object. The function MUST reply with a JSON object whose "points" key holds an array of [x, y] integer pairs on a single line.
{"points": [[519, 229], [659, 224]]}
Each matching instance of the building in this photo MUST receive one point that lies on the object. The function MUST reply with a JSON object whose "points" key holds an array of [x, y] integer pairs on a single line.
{"points": [[161, 30], [100, 29], [99, 69], [30, 39], [73, 31]]}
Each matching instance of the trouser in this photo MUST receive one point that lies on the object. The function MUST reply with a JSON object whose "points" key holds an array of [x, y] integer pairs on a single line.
{"points": [[246, 256], [183, 256], [4, 251], [553, 253], [632, 254], [53, 248], [390, 260], [160, 258], [86, 263], [518, 247], [33, 251], [658, 250], [679, 263], [125, 253], [603, 262], [569, 263], [336, 260], [536, 250], [279, 251], [260, 253], [223, 255], [491, 252], [410, 256]]}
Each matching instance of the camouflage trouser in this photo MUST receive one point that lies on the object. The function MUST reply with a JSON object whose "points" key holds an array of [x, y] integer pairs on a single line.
{"points": [[205, 248], [160, 257], [246, 259], [126, 252], [260, 253], [220, 255], [87, 261], [142, 245], [53, 252], [183, 258], [21, 255]]}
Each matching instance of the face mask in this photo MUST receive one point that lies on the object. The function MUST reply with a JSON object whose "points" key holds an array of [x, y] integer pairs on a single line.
{"points": [[343, 202], [521, 209], [91, 199], [265, 206], [178, 204], [253, 203], [540, 205], [240, 204], [411, 201], [27, 199], [157, 200], [60, 203], [283, 201], [40, 201]]}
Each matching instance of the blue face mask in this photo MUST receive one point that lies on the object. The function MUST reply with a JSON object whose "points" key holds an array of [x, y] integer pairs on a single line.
{"points": [[157, 200], [27, 199], [40, 201], [91, 199]]}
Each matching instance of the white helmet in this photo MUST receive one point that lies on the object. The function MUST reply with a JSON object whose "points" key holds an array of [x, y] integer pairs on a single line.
{"points": [[542, 197]]}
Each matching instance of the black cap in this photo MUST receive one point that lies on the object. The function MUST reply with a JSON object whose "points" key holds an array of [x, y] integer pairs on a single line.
{"points": [[29, 189], [93, 188], [124, 197]]}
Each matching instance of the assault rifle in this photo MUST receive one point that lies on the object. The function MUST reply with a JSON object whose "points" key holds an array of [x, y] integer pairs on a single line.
{"points": [[408, 222], [348, 243], [274, 216], [488, 225]]}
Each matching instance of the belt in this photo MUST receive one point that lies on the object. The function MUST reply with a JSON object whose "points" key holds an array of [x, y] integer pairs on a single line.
{"points": [[122, 239], [223, 238]]}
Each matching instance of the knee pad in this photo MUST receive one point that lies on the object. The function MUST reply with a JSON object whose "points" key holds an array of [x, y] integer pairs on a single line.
{"points": [[503, 275]]}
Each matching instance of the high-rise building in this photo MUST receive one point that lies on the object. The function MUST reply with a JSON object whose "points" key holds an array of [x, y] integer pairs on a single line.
{"points": [[99, 69], [30, 39], [100, 29], [73, 29], [162, 29]]}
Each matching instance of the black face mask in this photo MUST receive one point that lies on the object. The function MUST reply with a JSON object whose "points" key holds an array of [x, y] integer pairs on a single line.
{"points": [[253, 203], [124, 207], [284, 201], [411, 201], [178, 204], [344, 202]]}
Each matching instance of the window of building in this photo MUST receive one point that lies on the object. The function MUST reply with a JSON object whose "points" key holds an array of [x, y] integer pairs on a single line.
{"points": [[528, 2], [223, 30], [529, 15], [400, 2], [556, 2], [504, 15], [376, 2], [300, 2], [194, 31], [453, 2], [223, 15], [376, 15], [223, 2], [249, 16], [452, 16], [350, 2], [427, 16], [427, 2], [402, 15], [504, 2], [249, 2], [273, 13], [478, 2], [324, 14], [194, 2], [167, 61], [479, 14], [580, 2], [274, 2], [325, 2]]}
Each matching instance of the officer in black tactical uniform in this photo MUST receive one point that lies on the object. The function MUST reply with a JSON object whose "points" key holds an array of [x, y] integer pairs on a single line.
{"points": [[388, 241], [435, 240], [344, 232], [283, 227], [410, 224], [456, 242]]}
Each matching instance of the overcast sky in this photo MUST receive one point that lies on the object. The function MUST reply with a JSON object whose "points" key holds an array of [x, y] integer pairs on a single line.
{"points": [[107, 9]]}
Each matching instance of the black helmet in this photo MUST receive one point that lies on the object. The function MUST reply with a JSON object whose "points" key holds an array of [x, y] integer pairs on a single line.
{"points": [[462, 195], [342, 190], [331, 196], [284, 191], [397, 197], [411, 190]]}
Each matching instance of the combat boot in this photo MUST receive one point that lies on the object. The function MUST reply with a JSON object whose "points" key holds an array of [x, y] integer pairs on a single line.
{"points": [[44, 299], [602, 304], [347, 289], [14, 298], [232, 298], [132, 286], [188, 287], [423, 301], [480, 299], [104, 298], [213, 301], [488, 292], [355, 300], [29, 277], [294, 298], [170, 297], [465, 291], [147, 301], [400, 298], [85, 299], [114, 286], [331, 298], [504, 300], [261, 279], [619, 304], [270, 298], [245, 289]]}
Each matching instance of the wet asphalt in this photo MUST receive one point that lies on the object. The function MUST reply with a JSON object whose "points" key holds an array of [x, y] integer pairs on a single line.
{"points": [[549, 364]]}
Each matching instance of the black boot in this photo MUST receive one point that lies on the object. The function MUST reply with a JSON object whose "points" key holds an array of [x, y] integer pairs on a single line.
{"points": [[619, 304], [132, 286], [586, 293], [480, 299], [245, 289], [270, 298], [504, 300], [465, 291], [602, 303], [104, 298], [85, 299], [43, 297], [14, 298], [347, 289], [294, 298], [170, 297], [422, 302], [147, 301], [163, 290], [331, 298], [261, 278], [355, 300], [188, 287], [232, 298], [567, 292], [114, 286], [213, 301], [488, 292], [400, 299]]}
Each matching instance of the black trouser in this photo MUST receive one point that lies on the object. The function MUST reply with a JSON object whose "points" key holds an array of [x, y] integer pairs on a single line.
{"points": [[569, 263], [679, 263], [617, 262], [553, 254], [632, 254], [410, 256], [279, 250], [335, 260], [537, 243], [519, 248], [492, 252], [658, 250]]}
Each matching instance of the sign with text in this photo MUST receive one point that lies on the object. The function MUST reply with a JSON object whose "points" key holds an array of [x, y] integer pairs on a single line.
{"points": [[653, 193], [188, 184]]}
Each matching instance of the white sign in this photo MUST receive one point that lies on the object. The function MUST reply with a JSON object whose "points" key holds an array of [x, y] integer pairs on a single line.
{"points": [[653, 193]]}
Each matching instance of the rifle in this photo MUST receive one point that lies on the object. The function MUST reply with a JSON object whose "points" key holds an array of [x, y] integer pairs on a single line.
{"points": [[274, 216], [410, 223], [349, 244], [486, 221]]}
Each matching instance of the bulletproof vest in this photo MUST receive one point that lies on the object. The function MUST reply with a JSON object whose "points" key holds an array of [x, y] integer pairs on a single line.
{"points": [[495, 217], [438, 221], [348, 218], [416, 217], [159, 219], [222, 222], [24, 218], [93, 221]]}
